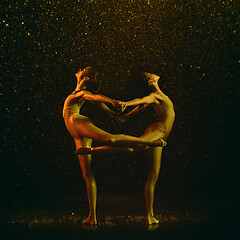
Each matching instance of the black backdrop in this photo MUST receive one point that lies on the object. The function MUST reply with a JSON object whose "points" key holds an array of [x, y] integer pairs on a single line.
{"points": [[194, 45]]}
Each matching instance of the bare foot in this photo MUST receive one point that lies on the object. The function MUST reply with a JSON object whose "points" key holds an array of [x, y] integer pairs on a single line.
{"points": [[90, 221], [159, 142], [152, 220], [152, 227], [93, 227]]}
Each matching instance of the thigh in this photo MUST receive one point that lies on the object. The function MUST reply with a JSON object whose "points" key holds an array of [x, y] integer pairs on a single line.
{"points": [[86, 129], [153, 132]]}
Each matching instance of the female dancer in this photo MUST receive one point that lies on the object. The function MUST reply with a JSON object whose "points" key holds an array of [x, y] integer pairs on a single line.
{"points": [[84, 131], [158, 130]]}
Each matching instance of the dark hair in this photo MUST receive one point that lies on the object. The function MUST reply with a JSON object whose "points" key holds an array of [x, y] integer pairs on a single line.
{"points": [[93, 84], [139, 85]]}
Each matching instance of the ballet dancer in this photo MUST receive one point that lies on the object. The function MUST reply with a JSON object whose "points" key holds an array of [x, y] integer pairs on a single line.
{"points": [[157, 130]]}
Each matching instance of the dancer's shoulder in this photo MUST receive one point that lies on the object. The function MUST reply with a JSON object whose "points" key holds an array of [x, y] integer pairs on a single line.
{"points": [[157, 95], [80, 93]]}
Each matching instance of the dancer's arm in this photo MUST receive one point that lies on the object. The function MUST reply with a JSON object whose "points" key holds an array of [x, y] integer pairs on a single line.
{"points": [[95, 97], [119, 117], [151, 98], [105, 108], [136, 109], [141, 102]]}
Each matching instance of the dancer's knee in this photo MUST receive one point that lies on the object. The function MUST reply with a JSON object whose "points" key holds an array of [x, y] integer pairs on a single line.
{"points": [[112, 139], [116, 138], [87, 175], [153, 176]]}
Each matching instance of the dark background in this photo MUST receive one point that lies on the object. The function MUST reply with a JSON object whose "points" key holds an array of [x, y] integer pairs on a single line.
{"points": [[193, 44]]}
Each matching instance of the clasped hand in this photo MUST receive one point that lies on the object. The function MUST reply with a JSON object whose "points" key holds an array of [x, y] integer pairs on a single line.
{"points": [[120, 108]]}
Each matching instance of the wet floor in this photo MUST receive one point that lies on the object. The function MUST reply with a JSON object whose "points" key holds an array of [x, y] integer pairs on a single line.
{"points": [[120, 218]]}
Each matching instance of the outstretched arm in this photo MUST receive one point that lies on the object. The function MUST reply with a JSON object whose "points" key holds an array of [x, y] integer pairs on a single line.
{"points": [[136, 109], [151, 98], [105, 108], [114, 114], [141, 102], [95, 97]]}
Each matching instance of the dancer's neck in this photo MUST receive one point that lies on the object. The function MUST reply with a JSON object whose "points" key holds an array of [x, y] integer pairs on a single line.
{"points": [[80, 86], [155, 87]]}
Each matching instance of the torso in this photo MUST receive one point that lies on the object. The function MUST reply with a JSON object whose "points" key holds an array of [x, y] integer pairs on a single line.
{"points": [[72, 106], [165, 111]]}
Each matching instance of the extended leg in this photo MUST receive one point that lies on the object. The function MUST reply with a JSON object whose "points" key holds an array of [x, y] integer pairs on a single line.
{"points": [[85, 163], [88, 130], [123, 143], [103, 149], [155, 155]]}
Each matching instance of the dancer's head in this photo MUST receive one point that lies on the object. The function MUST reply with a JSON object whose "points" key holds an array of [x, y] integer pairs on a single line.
{"points": [[144, 81], [82, 73], [150, 78], [86, 77]]}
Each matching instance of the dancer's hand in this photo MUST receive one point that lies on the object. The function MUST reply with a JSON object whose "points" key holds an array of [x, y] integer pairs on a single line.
{"points": [[118, 105], [123, 106], [86, 78]]}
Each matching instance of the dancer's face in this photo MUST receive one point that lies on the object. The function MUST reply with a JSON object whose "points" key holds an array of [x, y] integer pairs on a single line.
{"points": [[84, 73], [151, 78]]}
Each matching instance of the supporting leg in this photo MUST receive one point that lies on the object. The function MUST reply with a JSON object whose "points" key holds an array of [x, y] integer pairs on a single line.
{"points": [[85, 163], [155, 155]]}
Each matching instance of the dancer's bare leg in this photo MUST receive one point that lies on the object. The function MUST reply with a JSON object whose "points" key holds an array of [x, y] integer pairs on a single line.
{"points": [[88, 130], [102, 149], [155, 155], [85, 163], [154, 131]]}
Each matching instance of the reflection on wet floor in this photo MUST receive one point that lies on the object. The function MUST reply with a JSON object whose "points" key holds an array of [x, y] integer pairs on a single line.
{"points": [[41, 217], [110, 214], [116, 216]]}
